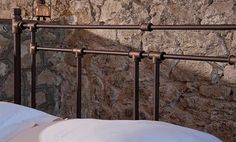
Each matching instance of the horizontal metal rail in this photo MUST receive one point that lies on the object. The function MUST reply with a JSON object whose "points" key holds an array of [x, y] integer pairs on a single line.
{"points": [[121, 53], [5, 21], [130, 27], [193, 27], [86, 51], [196, 58], [230, 59], [143, 27], [9, 21], [54, 49]]}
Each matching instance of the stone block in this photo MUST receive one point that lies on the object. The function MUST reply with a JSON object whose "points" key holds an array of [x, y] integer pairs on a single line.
{"points": [[229, 75], [49, 78], [4, 44], [215, 91]]}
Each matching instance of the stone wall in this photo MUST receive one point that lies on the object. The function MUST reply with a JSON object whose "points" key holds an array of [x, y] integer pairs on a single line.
{"points": [[200, 95]]}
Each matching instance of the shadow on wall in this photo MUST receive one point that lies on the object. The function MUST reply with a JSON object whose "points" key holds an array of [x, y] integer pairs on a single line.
{"points": [[186, 87]]}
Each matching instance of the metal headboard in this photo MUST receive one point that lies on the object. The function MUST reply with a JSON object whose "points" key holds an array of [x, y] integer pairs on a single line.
{"points": [[18, 25]]}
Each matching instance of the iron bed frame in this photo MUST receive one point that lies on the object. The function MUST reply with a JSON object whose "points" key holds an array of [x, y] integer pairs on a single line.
{"points": [[18, 25]]}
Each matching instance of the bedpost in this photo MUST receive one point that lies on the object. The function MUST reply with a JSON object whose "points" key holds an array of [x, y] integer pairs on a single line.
{"points": [[16, 30]]}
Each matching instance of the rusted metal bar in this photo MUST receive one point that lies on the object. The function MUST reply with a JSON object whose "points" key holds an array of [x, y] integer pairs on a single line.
{"points": [[136, 89], [194, 27], [156, 88], [79, 55], [231, 59], [54, 49], [142, 27], [79, 74], [6, 21], [26, 22], [120, 27], [106, 52], [16, 30], [136, 56], [196, 58], [33, 51], [86, 51], [157, 58], [33, 79]]}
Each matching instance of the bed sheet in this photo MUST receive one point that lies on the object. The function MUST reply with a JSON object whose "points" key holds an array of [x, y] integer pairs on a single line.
{"points": [[92, 130], [16, 118], [31, 134]]}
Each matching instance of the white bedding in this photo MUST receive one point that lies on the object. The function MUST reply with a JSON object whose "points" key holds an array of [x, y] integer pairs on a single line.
{"points": [[16, 118], [91, 130], [88, 130]]}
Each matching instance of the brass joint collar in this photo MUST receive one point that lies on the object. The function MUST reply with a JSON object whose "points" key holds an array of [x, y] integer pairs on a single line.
{"points": [[17, 27], [21, 25], [78, 52], [33, 48], [33, 26], [136, 55], [156, 55], [146, 27], [232, 60]]}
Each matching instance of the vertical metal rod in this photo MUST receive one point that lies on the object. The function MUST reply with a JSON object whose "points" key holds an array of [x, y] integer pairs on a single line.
{"points": [[136, 89], [33, 67], [17, 68], [16, 30], [156, 89], [79, 84]]}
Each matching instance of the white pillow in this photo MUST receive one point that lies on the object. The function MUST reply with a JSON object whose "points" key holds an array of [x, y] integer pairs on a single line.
{"points": [[90, 130], [15, 118]]}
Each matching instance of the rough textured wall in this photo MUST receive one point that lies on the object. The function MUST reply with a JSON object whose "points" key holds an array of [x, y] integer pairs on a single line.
{"points": [[200, 95]]}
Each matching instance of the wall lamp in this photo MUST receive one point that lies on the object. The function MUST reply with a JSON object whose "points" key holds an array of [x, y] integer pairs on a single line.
{"points": [[41, 9]]}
